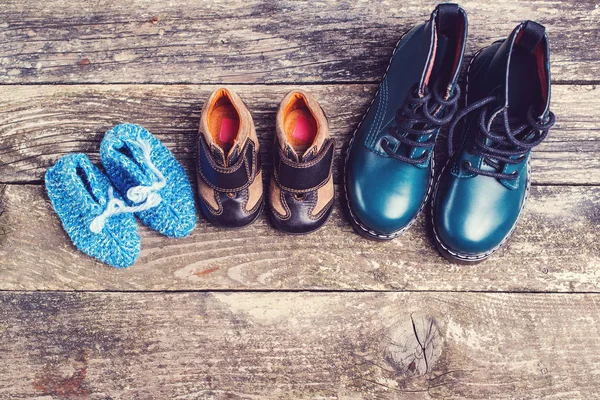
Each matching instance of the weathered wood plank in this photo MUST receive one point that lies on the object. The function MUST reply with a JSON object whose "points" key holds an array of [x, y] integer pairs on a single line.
{"points": [[38, 124], [555, 248], [252, 41], [299, 345]]}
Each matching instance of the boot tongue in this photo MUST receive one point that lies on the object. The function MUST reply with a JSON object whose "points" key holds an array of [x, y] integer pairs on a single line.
{"points": [[444, 67], [495, 124], [532, 37], [497, 75], [528, 34]]}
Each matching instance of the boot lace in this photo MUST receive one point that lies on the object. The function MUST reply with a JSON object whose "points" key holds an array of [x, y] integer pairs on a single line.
{"points": [[508, 145], [421, 115]]}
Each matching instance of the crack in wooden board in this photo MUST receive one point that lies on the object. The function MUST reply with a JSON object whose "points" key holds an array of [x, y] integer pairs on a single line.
{"points": [[297, 345]]}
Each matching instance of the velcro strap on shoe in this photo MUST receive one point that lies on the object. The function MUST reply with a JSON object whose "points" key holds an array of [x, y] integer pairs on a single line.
{"points": [[228, 179], [302, 177]]}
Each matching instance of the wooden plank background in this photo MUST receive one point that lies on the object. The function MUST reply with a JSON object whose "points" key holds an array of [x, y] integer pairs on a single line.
{"points": [[39, 124], [252, 41], [555, 248], [299, 345], [254, 313]]}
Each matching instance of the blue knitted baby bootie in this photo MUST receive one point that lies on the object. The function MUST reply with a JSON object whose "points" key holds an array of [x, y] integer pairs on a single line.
{"points": [[147, 174], [93, 215]]}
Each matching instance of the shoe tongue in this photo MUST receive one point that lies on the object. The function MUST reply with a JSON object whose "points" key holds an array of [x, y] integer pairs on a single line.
{"points": [[528, 34], [307, 155], [495, 123], [497, 126], [218, 156], [445, 18], [233, 156], [291, 154], [225, 159]]}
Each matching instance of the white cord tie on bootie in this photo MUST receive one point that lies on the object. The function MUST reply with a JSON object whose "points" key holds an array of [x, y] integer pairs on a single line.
{"points": [[137, 194], [116, 206]]}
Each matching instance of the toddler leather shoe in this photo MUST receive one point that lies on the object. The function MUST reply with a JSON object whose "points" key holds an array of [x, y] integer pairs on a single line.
{"points": [[301, 192], [92, 213], [389, 163], [229, 166], [483, 188], [150, 179]]}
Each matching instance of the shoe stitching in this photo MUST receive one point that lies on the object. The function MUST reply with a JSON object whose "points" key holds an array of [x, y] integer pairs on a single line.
{"points": [[325, 209], [317, 187], [348, 150], [482, 256], [285, 206], [383, 101], [258, 204]]}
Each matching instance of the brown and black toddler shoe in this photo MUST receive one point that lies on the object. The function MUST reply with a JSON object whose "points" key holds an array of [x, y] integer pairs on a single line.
{"points": [[229, 167], [301, 191]]}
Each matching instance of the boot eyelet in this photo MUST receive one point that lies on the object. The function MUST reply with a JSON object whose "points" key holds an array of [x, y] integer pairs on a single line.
{"points": [[299, 196], [466, 164], [515, 173], [231, 195]]}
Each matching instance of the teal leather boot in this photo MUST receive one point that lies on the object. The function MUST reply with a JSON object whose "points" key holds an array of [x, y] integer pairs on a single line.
{"points": [[483, 187], [389, 163]]}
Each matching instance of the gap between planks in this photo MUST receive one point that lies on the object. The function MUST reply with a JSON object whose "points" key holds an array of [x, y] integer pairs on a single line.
{"points": [[301, 291], [589, 82]]}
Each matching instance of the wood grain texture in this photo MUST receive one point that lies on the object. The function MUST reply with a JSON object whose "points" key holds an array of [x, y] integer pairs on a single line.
{"points": [[38, 124], [253, 41], [555, 248], [299, 345], [418, 333]]}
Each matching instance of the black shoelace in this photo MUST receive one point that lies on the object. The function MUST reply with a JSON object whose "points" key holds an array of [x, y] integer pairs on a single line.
{"points": [[508, 146], [421, 115]]}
